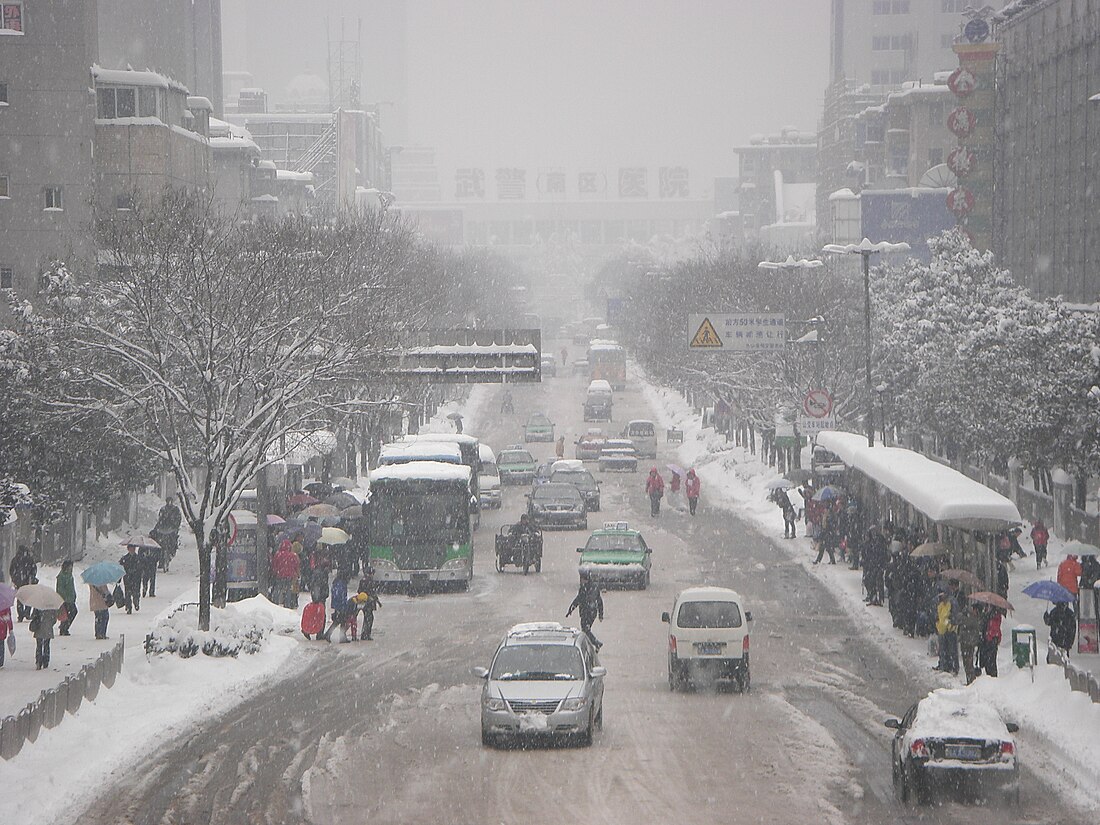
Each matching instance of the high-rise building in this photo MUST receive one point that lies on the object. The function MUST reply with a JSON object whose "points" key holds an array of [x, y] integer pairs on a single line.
{"points": [[181, 39], [1046, 227], [47, 122]]}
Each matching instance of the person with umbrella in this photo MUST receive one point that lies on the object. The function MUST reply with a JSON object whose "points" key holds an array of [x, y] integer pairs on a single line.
{"points": [[166, 533], [134, 566], [66, 589], [99, 602], [1063, 626], [991, 641], [23, 570], [41, 627], [947, 629]]}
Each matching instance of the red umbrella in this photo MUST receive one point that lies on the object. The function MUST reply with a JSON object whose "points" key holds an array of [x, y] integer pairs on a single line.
{"points": [[299, 500], [991, 598]]}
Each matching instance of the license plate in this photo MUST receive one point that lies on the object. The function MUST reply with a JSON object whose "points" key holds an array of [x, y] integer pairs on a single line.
{"points": [[963, 752], [708, 648]]}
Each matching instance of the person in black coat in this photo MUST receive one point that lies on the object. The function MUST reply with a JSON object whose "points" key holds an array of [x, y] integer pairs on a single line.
{"points": [[134, 565], [590, 603], [23, 570], [874, 557], [1063, 626]]}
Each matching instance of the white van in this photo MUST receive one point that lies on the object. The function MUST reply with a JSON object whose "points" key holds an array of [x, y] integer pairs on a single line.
{"points": [[708, 637], [644, 435], [488, 478]]}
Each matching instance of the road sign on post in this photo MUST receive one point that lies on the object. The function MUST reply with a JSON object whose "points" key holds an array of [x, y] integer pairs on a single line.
{"points": [[737, 332], [817, 404], [812, 426]]}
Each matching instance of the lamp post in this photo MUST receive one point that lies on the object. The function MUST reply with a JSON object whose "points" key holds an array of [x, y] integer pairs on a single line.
{"points": [[865, 249]]}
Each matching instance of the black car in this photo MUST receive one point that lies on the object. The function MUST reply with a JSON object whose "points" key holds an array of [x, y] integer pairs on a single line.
{"points": [[557, 505], [580, 478], [949, 739]]}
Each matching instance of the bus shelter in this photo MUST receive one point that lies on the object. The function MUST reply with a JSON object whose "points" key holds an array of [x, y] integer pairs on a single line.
{"points": [[904, 487]]}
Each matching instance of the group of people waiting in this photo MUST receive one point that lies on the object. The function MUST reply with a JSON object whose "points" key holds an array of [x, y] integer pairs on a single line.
{"points": [[346, 608]]}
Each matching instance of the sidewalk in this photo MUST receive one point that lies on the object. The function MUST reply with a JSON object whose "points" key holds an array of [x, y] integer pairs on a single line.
{"points": [[1060, 727]]}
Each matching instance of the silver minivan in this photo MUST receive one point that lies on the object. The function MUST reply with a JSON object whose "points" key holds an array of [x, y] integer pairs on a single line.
{"points": [[644, 435], [545, 681]]}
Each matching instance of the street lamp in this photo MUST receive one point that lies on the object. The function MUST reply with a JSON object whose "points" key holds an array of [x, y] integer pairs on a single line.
{"points": [[865, 249], [790, 264]]}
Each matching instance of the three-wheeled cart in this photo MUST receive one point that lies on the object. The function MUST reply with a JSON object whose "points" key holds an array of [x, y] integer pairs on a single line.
{"points": [[523, 551]]}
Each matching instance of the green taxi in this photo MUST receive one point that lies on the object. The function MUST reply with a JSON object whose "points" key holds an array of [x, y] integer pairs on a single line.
{"points": [[539, 428], [616, 554], [516, 465]]}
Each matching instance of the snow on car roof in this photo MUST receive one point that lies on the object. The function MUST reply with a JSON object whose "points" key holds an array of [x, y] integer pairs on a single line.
{"points": [[543, 631], [958, 712], [945, 495], [567, 464], [457, 438], [486, 454], [599, 384], [429, 470], [401, 452], [708, 593]]}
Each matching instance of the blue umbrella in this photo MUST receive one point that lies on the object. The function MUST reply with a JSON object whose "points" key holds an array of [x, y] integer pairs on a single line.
{"points": [[825, 494], [103, 572], [1049, 591]]}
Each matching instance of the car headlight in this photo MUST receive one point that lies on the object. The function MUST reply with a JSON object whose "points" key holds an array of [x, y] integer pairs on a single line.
{"points": [[576, 703], [454, 564], [495, 705], [383, 564]]}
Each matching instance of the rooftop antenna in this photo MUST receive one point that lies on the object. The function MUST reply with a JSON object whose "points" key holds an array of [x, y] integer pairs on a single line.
{"points": [[345, 67]]}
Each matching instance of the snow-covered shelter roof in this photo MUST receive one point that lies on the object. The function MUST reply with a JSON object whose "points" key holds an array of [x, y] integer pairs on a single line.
{"points": [[944, 495]]}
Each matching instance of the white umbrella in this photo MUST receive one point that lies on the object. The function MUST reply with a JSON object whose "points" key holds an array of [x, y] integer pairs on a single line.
{"points": [[333, 535], [39, 596], [140, 541], [779, 484]]}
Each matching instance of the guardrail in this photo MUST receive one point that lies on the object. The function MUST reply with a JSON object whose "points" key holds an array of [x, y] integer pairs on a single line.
{"points": [[1079, 679], [49, 709]]}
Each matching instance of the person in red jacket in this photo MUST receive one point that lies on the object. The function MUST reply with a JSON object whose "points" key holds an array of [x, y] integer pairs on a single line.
{"points": [[313, 619], [1039, 538], [1069, 574], [691, 489], [285, 566], [655, 489]]}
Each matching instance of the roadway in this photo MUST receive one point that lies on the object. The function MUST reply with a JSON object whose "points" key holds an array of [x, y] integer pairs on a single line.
{"points": [[388, 731]]}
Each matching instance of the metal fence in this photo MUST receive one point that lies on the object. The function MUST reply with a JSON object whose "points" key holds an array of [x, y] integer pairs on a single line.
{"points": [[49, 709], [1079, 679]]}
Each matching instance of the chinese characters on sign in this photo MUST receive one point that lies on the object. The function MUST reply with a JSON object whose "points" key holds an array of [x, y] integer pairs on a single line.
{"points": [[672, 182], [470, 183], [552, 182], [590, 183], [511, 184], [12, 19], [633, 182], [740, 332]]}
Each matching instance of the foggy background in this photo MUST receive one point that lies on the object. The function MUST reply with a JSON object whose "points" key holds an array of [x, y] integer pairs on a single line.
{"points": [[568, 83]]}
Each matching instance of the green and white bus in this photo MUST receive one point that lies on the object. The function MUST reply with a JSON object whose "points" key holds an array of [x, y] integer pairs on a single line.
{"points": [[468, 445], [419, 527]]}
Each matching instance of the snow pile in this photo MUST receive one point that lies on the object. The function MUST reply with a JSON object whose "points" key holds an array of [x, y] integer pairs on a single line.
{"points": [[231, 633]]}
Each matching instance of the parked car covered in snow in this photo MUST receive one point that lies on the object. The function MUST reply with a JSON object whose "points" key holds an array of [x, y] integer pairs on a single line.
{"points": [[590, 444], [952, 738]]}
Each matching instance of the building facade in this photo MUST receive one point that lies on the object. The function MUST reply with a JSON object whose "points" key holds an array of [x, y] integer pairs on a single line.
{"points": [[47, 123], [778, 183], [1046, 225]]}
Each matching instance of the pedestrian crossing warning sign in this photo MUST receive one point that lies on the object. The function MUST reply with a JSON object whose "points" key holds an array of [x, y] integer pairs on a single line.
{"points": [[706, 337]]}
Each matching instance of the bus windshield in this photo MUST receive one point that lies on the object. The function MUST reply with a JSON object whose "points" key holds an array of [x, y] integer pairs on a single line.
{"points": [[406, 516]]}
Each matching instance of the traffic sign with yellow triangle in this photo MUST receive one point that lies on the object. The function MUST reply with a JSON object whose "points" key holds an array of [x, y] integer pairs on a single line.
{"points": [[706, 337]]}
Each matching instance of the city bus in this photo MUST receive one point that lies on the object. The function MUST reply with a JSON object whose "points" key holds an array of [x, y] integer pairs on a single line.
{"points": [[607, 361], [469, 447], [419, 528]]}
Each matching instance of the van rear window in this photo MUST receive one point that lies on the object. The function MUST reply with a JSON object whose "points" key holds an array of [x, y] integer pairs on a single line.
{"points": [[709, 614], [641, 429]]}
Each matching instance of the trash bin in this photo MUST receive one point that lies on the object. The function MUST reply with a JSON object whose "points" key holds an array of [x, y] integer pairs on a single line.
{"points": [[1023, 645]]}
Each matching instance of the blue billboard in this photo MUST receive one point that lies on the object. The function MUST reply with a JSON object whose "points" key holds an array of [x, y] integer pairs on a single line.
{"points": [[909, 215]]}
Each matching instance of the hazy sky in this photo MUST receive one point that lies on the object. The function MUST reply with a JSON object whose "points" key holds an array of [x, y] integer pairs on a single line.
{"points": [[573, 83], [612, 82]]}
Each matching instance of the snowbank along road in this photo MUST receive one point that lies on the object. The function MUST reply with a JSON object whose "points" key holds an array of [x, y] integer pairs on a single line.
{"points": [[388, 731]]}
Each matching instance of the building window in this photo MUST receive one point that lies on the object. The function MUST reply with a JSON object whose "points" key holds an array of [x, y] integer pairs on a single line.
{"points": [[124, 203], [3, 93], [890, 7], [11, 17], [891, 42], [53, 197], [7, 278], [5, 187], [935, 157], [953, 6]]}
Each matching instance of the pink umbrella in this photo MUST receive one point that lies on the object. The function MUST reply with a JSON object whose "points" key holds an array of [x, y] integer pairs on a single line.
{"points": [[273, 519], [7, 596], [140, 542], [676, 469]]}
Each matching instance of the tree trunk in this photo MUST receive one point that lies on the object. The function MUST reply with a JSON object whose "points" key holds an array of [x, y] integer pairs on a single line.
{"points": [[204, 579], [221, 570]]}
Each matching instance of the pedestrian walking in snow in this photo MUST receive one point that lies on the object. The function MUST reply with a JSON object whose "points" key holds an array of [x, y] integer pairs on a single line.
{"points": [[991, 641], [22, 570], [1039, 538], [1069, 574], [150, 563], [589, 603], [655, 489], [284, 566], [313, 619], [66, 589], [99, 603], [1062, 622], [166, 533], [874, 566], [7, 634], [41, 627], [559, 447], [134, 566], [691, 490]]}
